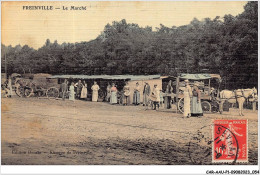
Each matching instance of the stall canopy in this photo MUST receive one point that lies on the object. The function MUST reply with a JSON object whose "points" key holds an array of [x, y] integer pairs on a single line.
{"points": [[107, 77], [199, 76]]}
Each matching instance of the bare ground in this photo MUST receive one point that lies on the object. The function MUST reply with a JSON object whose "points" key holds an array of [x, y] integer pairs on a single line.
{"points": [[55, 132]]}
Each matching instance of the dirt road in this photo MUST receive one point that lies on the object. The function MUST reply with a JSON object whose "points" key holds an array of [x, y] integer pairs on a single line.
{"points": [[42, 131]]}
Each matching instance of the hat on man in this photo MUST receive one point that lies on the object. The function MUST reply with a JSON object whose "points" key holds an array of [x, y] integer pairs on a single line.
{"points": [[186, 81]]}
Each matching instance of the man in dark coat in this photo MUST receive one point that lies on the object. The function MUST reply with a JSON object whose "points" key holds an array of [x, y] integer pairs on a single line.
{"points": [[79, 86], [168, 91]]}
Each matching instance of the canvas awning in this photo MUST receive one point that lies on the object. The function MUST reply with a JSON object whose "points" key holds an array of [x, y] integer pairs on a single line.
{"points": [[199, 76], [107, 77]]}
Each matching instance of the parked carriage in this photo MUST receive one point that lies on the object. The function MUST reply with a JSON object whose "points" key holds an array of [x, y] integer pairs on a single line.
{"points": [[209, 86], [37, 85]]}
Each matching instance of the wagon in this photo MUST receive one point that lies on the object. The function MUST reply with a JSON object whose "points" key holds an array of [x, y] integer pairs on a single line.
{"points": [[37, 85], [209, 86]]}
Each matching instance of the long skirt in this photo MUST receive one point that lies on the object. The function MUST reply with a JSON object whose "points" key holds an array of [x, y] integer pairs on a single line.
{"points": [[136, 98], [84, 92], [145, 99], [72, 95], [95, 96], [186, 104], [196, 109], [113, 98]]}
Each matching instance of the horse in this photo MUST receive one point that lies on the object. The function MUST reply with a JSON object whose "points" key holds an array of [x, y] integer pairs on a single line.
{"points": [[239, 95]]}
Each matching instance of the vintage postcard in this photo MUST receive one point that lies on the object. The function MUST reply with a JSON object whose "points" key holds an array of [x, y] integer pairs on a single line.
{"points": [[130, 83]]}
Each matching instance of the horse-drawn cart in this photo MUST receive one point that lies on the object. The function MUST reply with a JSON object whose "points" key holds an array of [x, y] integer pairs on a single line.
{"points": [[209, 86], [38, 85]]}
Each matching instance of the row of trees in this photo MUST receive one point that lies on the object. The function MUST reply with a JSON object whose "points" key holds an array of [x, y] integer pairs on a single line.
{"points": [[226, 46]]}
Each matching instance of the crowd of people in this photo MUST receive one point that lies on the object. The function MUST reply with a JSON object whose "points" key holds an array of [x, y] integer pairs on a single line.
{"points": [[154, 96], [79, 91]]}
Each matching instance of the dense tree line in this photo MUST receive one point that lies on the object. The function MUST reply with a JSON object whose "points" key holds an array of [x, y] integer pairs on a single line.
{"points": [[226, 46]]}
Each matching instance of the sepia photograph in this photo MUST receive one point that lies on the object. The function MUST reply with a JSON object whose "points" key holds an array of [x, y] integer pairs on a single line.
{"points": [[130, 83]]}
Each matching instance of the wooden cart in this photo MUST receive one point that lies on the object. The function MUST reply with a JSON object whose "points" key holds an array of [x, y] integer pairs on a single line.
{"points": [[40, 86], [209, 86]]}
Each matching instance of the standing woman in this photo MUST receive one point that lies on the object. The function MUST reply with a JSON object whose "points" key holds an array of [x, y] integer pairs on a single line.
{"points": [[146, 93], [187, 96], [95, 89], [126, 90], [113, 97], [137, 89], [72, 92], [84, 91], [196, 109]]}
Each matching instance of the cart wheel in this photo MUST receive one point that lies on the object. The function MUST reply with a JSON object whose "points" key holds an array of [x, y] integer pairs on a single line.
{"points": [[52, 92], [181, 105], [214, 106], [206, 107], [19, 90]]}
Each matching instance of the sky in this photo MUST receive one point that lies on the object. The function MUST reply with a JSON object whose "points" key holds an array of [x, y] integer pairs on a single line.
{"points": [[33, 27]]}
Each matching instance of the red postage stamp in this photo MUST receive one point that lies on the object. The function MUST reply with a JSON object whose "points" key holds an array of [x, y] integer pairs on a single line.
{"points": [[230, 141]]}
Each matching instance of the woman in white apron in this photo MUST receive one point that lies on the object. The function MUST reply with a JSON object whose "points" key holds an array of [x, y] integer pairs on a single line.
{"points": [[95, 89], [113, 98]]}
